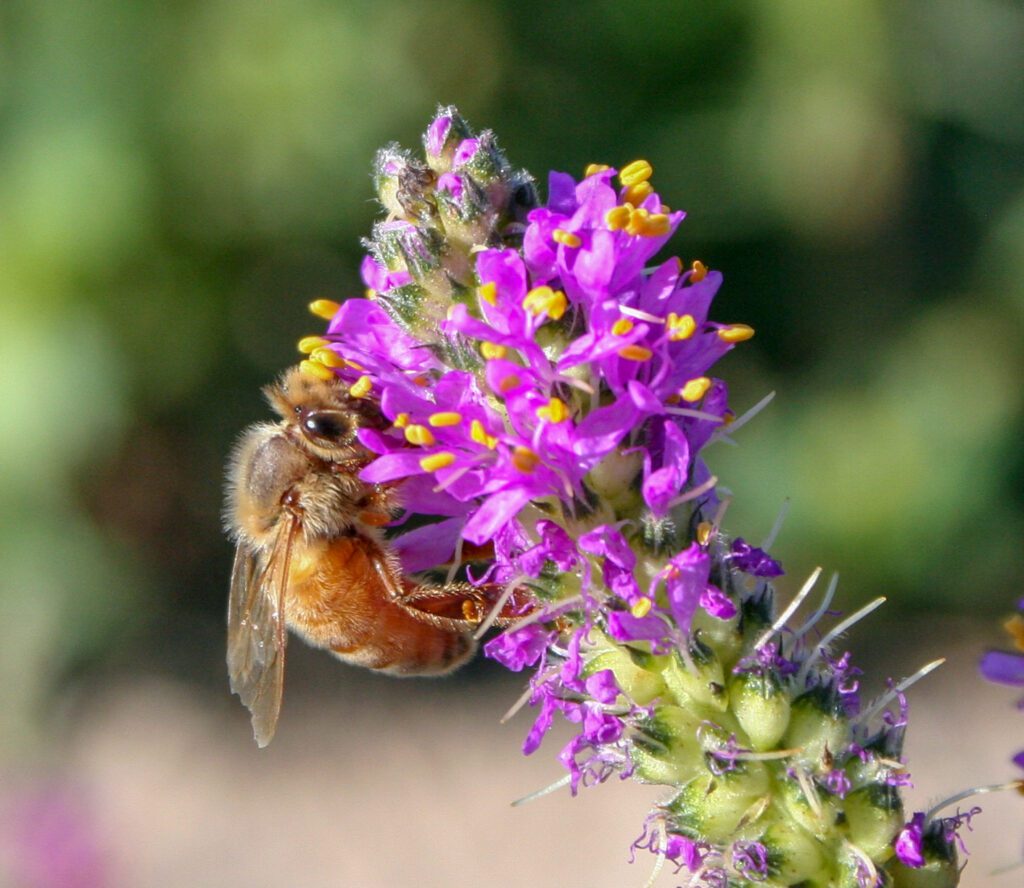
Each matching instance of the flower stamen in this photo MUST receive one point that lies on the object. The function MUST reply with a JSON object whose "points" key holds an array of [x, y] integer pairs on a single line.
{"points": [[544, 300], [635, 353], [324, 308], [315, 368], [566, 238], [444, 419], [419, 435], [361, 387], [437, 461], [736, 333], [309, 344], [524, 459]]}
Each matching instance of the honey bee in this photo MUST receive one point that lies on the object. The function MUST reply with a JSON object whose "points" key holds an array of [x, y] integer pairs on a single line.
{"points": [[311, 554]]}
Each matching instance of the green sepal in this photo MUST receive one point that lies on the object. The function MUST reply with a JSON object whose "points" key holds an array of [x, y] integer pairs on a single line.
{"points": [[714, 806], [817, 728], [794, 855], [874, 815], [934, 874], [636, 672], [665, 750], [761, 706], [704, 683]]}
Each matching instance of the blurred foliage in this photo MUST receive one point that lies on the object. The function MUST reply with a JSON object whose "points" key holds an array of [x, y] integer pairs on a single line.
{"points": [[178, 180]]}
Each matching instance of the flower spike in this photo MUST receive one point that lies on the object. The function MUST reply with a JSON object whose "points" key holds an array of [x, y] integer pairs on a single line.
{"points": [[548, 389]]}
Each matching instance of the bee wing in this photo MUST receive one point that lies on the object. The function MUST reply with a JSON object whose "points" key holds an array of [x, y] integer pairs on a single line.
{"points": [[257, 634]]}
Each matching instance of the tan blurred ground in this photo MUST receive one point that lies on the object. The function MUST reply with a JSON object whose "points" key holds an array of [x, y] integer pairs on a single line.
{"points": [[376, 782]]}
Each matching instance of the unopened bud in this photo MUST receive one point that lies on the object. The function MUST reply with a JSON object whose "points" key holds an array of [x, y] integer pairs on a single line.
{"points": [[713, 806], [874, 815], [761, 707], [444, 134], [635, 672], [817, 727], [795, 854], [665, 749], [701, 680]]}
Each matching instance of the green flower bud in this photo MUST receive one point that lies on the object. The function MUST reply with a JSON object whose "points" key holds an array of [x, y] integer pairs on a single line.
{"points": [[404, 184], [443, 137], [794, 854], [817, 726], [635, 672], [665, 749], [714, 806], [700, 681], [817, 820], [934, 874], [874, 814], [725, 636], [761, 706]]}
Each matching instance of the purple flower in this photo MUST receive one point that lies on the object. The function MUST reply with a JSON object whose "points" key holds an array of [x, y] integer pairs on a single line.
{"points": [[519, 648], [909, 842], [754, 561]]}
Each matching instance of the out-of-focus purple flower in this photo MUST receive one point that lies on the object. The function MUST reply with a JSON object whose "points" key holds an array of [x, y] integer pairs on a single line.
{"points": [[50, 841]]}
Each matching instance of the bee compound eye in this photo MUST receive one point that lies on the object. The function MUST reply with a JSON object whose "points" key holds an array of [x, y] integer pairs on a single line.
{"points": [[328, 426]]}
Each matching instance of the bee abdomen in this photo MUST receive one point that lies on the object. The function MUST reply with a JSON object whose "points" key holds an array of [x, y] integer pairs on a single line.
{"points": [[403, 646]]}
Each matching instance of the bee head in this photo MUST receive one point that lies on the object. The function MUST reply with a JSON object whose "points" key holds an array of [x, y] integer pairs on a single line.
{"points": [[322, 412]]}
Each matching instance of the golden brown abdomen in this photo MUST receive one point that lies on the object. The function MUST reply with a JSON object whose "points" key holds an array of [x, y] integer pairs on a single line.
{"points": [[337, 600]]}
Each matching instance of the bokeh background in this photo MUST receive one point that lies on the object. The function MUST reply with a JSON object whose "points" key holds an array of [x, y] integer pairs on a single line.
{"points": [[178, 180]]}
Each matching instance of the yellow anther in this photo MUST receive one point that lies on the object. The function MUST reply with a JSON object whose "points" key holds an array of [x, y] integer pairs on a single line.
{"points": [[479, 434], [622, 326], [665, 208], [637, 194], [324, 308], [735, 333], [437, 461], [635, 353], [488, 292], [637, 222], [704, 531], [544, 300], [641, 608], [315, 368], [635, 172], [657, 225], [554, 411], [617, 218], [361, 387], [328, 357], [566, 237], [370, 293], [1015, 627], [310, 344], [420, 435], [695, 389], [680, 327], [698, 271], [402, 420], [491, 350], [446, 418], [594, 168], [353, 365], [524, 459], [508, 383]]}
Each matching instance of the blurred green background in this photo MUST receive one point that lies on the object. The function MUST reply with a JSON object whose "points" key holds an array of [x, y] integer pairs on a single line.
{"points": [[178, 180]]}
